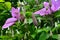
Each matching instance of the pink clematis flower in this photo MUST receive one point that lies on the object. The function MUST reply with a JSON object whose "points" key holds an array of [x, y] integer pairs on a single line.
{"points": [[15, 16], [15, 12], [55, 5], [9, 22], [44, 11]]}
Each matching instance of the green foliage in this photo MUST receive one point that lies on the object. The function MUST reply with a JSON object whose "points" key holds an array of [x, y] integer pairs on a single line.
{"points": [[27, 30]]}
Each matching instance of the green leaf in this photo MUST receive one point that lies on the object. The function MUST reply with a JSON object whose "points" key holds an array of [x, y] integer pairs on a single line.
{"points": [[28, 14], [41, 5], [33, 35], [58, 25], [46, 29], [57, 14], [8, 5], [44, 36], [55, 36], [39, 30], [2, 1], [4, 37], [54, 29], [1, 6], [30, 20], [58, 36], [43, 29], [27, 7]]}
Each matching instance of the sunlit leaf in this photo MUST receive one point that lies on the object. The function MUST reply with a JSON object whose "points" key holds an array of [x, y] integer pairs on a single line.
{"points": [[8, 5], [2, 1]]}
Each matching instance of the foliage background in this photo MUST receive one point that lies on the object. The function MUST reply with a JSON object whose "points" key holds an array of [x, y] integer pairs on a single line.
{"points": [[48, 26]]}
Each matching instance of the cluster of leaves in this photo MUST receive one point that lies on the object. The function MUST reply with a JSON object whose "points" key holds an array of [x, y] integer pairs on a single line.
{"points": [[48, 26]]}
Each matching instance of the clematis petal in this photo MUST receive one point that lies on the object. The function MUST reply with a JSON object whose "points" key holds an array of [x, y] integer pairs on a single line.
{"points": [[43, 12], [55, 5], [40, 12], [10, 20], [53, 8], [19, 9], [7, 25], [46, 4], [15, 12], [48, 11]]}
